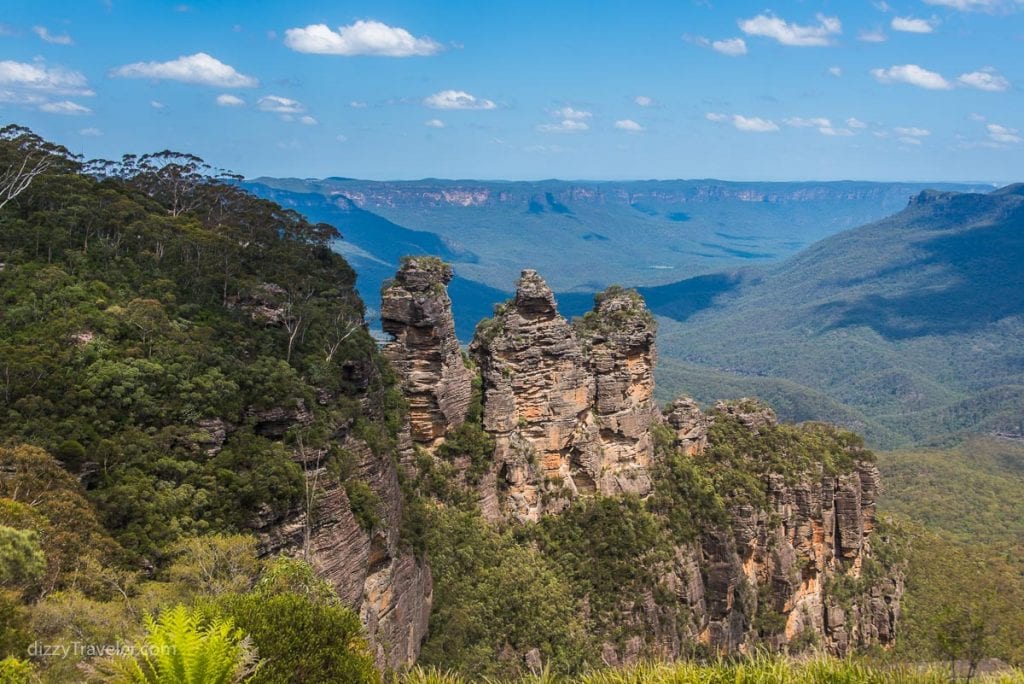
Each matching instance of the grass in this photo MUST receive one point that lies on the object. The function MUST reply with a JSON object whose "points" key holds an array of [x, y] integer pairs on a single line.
{"points": [[759, 669]]}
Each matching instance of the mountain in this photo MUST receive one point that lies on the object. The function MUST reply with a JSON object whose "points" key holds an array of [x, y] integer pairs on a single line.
{"points": [[583, 235], [912, 325]]}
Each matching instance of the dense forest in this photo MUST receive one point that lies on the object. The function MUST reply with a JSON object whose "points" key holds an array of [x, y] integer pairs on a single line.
{"points": [[146, 302]]}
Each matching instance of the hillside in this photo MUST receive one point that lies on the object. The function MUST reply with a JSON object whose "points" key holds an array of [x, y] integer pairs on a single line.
{"points": [[913, 322], [643, 233]]}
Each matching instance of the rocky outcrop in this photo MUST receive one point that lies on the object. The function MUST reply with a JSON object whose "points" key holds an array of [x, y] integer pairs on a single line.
{"points": [[416, 312], [371, 570], [572, 413], [570, 408]]}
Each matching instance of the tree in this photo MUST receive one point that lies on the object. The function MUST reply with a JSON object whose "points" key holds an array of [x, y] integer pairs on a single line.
{"points": [[21, 560], [24, 156]]}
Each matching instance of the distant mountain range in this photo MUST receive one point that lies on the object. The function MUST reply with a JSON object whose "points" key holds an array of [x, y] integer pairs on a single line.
{"points": [[583, 236], [910, 328]]}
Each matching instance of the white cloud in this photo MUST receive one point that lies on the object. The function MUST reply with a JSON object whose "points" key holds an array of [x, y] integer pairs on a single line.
{"points": [[733, 47], [629, 125], [361, 38], [800, 122], [227, 100], [198, 69], [47, 37], [974, 116], [771, 26], [855, 123], [91, 132], [571, 114], [883, 6], [912, 25], [823, 125], [872, 36], [38, 77], [457, 99], [835, 71], [358, 104], [829, 130], [156, 105], [308, 121], [977, 5], [912, 131], [341, 138], [912, 74], [906, 140], [564, 126], [986, 79], [64, 107], [434, 123], [280, 105], [753, 124], [1002, 134], [644, 101], [743, 123]]}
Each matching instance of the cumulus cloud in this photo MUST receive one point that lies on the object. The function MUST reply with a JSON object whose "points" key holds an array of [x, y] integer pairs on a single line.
{"points": [[457, 99], [66, 107], [280, 105], [358, 104], [564, 126], [823, 125], [361, 38], [628, 125], [156, 104], [571, 114], [434, 123], [644, 101], [912, 25], [733, 47], [308, 121], [197, 69], [743, 123], [230, 101], [872, 36], [835, 71], [853, 122], [1002, 134], [913, 75], [38, 77], [47, 37], [986, 79], [770, 26]]}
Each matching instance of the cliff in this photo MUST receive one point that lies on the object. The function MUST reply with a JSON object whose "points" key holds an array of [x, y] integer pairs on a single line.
{"points": [[782, 552]]}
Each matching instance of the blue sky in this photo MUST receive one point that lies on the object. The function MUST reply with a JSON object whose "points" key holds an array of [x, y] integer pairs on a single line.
{"points": [[903, 89]]}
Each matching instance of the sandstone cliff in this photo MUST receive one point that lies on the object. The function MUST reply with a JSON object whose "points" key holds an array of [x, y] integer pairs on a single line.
{"points": [[571, 411], [569, 407], [416, 312]]}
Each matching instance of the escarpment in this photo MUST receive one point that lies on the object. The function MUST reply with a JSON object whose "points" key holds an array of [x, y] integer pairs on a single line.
{"points": [[769, 537]]}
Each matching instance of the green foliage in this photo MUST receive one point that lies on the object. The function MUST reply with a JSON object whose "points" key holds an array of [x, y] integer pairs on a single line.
{"points": [[15, 671], [495, 599], [365, 504], [21, 560], [301, 640], [185, 647]]}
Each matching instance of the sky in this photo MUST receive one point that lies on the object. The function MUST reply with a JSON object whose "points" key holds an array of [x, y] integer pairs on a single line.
{"points": [[923, 90]]}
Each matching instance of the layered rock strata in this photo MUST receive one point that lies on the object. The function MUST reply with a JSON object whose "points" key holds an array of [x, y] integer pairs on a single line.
{"points": [[570, 408], [416, 312]]}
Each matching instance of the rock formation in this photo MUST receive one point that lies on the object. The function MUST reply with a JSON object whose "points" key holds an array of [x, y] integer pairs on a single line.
{"points": [[416, 312], [570, 408], [572, 413]]}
